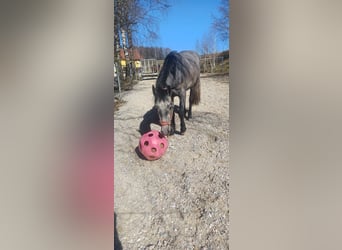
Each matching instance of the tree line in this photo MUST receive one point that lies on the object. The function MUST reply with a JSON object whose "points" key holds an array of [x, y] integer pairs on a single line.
{"points": [[136, 22], [158, 53]]}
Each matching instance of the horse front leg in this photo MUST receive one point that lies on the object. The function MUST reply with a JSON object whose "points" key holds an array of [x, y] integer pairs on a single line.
{"points": [[182, 112], [173, 124]]}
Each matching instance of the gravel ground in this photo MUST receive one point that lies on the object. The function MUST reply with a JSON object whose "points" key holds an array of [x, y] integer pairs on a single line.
{"points": [[181, 200]]}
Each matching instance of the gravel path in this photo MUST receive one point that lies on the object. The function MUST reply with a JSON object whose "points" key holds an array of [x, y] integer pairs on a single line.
{"points": [[181, 200]]}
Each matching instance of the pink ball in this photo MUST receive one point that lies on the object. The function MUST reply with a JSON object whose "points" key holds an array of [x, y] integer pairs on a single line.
{"points": [[153, 145]]}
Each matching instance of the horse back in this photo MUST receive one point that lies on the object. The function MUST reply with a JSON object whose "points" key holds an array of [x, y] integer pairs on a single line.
{"points": [[181, 70]]}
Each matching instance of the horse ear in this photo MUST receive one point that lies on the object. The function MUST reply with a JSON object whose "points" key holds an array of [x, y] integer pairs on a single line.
{"points": [[153, 90]]}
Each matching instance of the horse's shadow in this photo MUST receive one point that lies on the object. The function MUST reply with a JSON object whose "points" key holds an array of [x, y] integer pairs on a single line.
{"points": [[152, 117]]}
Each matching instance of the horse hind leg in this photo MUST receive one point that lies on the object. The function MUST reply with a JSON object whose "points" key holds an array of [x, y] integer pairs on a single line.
{"points": [[195, 96], [189, 116], [182, 112]]}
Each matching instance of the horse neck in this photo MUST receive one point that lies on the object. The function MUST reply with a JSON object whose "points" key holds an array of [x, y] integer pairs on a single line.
{"points": [[161, 81]]}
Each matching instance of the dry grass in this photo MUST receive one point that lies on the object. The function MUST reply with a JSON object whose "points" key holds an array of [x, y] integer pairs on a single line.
{"points": [[223, 67], [118, 102]]}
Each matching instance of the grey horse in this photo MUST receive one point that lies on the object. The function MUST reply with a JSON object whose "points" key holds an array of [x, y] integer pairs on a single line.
{"points": [[180, 72]]}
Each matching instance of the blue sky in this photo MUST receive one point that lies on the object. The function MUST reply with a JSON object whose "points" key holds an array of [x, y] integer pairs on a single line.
{"points": [[186, 22]]}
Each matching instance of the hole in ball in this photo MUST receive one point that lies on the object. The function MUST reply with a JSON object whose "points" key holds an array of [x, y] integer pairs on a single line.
{"points": [[146, 143], [153, 150], [162, 145], [150, 134]]}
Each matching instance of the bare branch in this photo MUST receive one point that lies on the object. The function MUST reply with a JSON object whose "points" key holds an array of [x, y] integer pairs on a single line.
{"points": [[221, 22]]}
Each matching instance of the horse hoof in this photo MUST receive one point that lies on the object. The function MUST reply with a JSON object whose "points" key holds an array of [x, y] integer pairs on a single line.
{"points": [[172, 131]]}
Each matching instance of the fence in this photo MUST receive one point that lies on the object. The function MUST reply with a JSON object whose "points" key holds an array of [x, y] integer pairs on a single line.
{"points": [[209, 63], [150, 67]]}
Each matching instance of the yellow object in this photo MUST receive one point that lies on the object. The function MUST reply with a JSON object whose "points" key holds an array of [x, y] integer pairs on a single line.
{"points": [[137, 64]]}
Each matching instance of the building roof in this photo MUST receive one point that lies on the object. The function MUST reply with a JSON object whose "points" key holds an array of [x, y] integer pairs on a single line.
{"points": [[136, 54]]}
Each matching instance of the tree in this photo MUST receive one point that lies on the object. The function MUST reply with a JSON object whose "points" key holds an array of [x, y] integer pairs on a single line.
{"points": [[221, 22], [132, 20], [158, 53], [206, 47], [139, 18]]}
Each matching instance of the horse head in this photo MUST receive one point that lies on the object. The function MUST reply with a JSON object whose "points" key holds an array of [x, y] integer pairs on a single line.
{"points": [[164, 106]]}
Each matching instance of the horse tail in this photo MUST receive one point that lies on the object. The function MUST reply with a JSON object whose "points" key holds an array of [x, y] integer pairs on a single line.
{"points": [[195, 96]]}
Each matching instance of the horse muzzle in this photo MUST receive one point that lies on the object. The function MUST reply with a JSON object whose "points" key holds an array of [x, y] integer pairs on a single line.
{"points": [[165, 128], [164, 123]]}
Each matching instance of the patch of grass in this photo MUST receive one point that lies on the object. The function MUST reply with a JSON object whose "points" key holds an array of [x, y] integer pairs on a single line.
{"points": [[118, 102], [222, 67], [128, 84]]}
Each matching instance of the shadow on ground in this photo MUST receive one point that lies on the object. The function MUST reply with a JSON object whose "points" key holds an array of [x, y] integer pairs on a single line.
{"points": [[150, 117], [117, 243], [139, 154]]}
